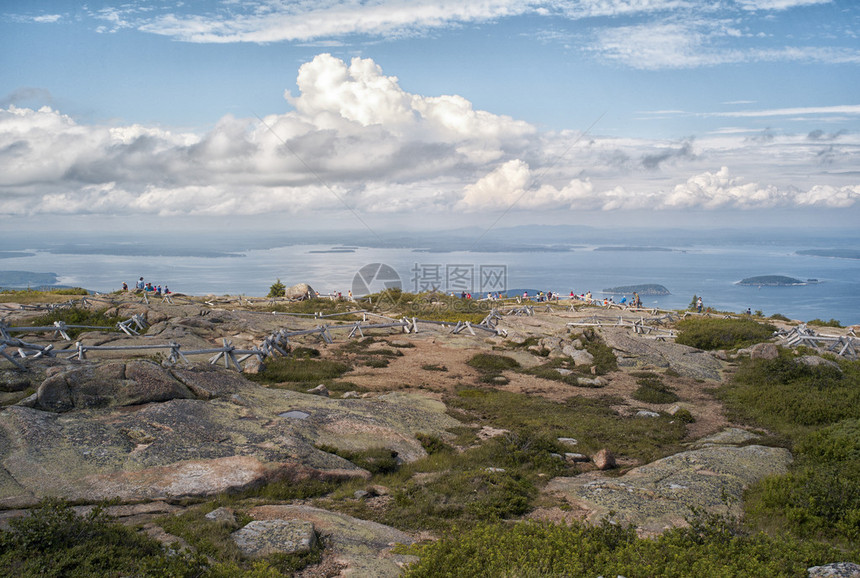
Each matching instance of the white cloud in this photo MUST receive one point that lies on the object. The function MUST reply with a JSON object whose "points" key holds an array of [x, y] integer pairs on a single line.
{"points": [[356, 139], [277, 21], [47, 18], [778, 4]]}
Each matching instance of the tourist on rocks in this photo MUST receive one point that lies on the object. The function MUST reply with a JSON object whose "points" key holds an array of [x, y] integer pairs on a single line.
{"points": [[141, 285], [699, 305], [124, 286]]}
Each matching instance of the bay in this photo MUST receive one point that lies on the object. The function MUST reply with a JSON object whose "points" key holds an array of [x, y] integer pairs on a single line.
{"points": [[709, 270]]}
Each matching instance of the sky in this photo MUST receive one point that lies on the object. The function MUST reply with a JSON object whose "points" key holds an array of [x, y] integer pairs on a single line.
{"points": [[268, 114]]}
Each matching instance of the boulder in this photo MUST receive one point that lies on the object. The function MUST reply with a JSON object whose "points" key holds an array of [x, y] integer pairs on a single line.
{"points": [[579, 356], [300, 291], [253, 366], [109, 385], [604, 460], [360, 547], [321, 389], [764, 351], [816, 361], [223, 515], [266, 537]]}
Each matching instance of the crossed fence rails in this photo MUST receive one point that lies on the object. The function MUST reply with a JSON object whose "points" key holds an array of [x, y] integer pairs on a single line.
{"points": [[842, 345], [277, 343]]}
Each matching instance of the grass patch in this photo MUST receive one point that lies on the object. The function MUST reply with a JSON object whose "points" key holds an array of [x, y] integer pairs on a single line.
{"points": [[652, 389], [300, 370], [76, 316], [712, 334], [591, 421], [374, 460], [491, 363]]}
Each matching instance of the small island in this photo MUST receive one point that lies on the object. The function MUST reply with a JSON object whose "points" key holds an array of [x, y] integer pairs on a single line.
{"points": [[644, 289], [774, 281]]}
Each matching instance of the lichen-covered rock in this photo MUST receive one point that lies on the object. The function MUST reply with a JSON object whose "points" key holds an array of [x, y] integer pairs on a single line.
{"points": [[361, 547], [265, 537], [661, 494], [835, 570], [764, 351], [108, 385], [300, 291], [193, 447], [634, 351]]}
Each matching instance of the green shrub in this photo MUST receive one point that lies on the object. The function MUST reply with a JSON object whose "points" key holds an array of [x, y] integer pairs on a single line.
{"points": [[779, 317], [822, 323], [652, 390], [536, 549], [684, 415], [710, 334], [277, 289], [54, 541], [490, 363], [821, 495], [790, 397]]}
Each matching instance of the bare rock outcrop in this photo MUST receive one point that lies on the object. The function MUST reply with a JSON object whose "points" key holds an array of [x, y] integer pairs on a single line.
{"points": [[359, 547], [661, 494], [109, 436], [634, 351]]}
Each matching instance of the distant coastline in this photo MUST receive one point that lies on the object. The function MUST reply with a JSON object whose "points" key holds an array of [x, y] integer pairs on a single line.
{"points": [[837, 253], [634, 248]]}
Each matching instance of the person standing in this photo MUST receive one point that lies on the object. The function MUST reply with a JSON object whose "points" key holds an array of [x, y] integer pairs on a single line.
{"points": [[699, 305]]}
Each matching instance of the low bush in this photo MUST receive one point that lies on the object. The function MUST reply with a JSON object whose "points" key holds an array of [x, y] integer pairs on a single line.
{"points": [[546, 549], [490, 363], [790, 397], [821, 495], [711, 334], [652, 390], [822, 323], [54, 541]]}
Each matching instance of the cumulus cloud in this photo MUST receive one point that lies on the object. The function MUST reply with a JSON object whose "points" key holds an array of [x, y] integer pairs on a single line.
{"points": [[357, 140]]}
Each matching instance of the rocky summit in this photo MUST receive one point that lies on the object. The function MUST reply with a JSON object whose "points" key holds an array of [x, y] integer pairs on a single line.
{"points": [[322, 435]]}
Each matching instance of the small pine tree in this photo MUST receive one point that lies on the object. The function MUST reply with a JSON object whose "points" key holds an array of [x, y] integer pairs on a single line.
{"points": [[693, 302], [277, 289]]}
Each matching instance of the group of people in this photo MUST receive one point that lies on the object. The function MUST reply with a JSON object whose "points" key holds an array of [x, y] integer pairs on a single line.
{"points": [[142, 286]]}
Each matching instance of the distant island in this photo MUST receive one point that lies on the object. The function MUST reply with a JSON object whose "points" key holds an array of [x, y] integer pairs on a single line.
{"points": [[21, 279], [632, 248], [775, 281], [838, 253], [644, 289]]}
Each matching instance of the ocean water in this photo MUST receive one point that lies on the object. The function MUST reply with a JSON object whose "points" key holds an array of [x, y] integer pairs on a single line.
{"points": [[708, 270]]}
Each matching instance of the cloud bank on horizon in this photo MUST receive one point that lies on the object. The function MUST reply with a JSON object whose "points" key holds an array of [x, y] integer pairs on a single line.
{"points": [[353, 137]]}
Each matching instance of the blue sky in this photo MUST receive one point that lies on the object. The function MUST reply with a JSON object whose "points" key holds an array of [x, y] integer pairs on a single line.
{"points": [[733, 112]]}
